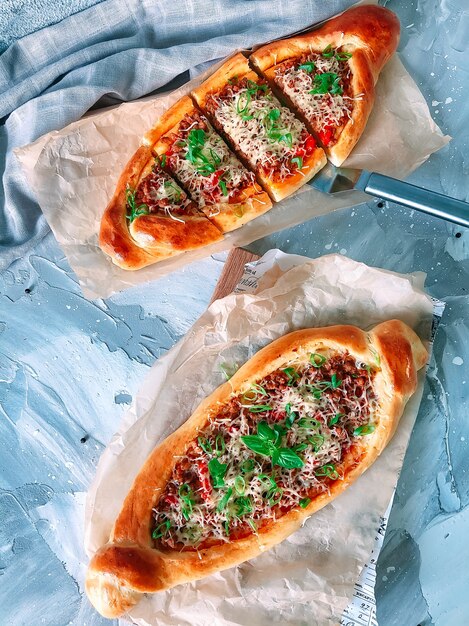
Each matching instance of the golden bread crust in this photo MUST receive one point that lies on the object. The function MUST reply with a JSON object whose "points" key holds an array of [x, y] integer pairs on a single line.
{"points": [[370, 33], [238, 66], [129, 565], [149, 238]]}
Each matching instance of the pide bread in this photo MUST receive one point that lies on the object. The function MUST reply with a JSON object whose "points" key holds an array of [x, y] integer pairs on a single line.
{"points": [[289, 432], [328, 76], [254, 132]]}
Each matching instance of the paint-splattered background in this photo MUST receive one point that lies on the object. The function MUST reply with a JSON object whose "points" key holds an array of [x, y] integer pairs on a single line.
{"points": [[69, 367]]}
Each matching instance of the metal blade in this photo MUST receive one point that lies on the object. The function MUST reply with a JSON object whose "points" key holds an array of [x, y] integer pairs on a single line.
{"points": [[333, 179]]}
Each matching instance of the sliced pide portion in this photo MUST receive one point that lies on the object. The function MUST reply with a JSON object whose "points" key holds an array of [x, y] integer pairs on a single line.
{"points": [[328, 76], [318, 86], [290, 431], [163, 218], [189, 148], [266, 135], [150, 217]]}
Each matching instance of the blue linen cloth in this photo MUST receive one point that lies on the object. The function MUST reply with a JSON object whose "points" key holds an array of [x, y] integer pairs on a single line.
{"points": [[115, 51]]}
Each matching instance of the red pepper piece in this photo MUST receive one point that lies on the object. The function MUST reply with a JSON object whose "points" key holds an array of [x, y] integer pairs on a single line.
{"points": [[326, 135], [216, 176], [310, 145], [206, 492]]}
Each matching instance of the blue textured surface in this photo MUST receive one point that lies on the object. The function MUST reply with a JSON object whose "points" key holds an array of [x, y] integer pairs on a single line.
{"points": [[68, 367]]}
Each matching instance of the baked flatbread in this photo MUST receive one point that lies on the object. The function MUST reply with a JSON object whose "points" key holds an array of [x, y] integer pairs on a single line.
{"points": [[328, 76], [266, 135], [150, 217], [191, 150], [290, 431]]}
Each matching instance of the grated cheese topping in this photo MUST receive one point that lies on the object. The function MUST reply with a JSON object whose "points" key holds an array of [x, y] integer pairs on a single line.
{"points": [[213, 174], [227, 487], [324, 111], [266, 134], [159, 193]]}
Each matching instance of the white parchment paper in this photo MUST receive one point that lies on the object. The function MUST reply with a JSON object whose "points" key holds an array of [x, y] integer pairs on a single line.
{"points": [[74, 171], [309, 578]]}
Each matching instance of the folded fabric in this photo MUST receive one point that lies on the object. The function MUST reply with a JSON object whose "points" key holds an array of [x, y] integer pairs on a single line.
{"points": [[111, 52]]}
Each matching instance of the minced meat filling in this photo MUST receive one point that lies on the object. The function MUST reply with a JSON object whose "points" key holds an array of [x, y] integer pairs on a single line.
{"points": [[159, 194], [271, 449], [267, 134], [319, 85], [204, 164]]}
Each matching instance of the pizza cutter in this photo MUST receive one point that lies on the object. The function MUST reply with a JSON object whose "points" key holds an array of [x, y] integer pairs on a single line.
{"points": [[333, 179]]}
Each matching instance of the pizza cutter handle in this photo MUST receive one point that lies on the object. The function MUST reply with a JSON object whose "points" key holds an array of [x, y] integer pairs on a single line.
{"points": [[417, 198]]}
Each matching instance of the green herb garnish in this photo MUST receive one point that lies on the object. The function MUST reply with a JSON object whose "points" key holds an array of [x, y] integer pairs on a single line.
{"points": [[276, 496], [248, 465], [292, 375], [219, 445], [309, 66], [286, 457], [309, 422], [258, 444], [205, 445], [366, 429], [328, 470], [318, 388], [163, 161], [254, 87], [196, 137], [265, 432], [335, 382], [135, 211], [328, 82], [274, 114], [242, 103], [298, 161], [291, 415], [317, 360], [174, 193], [266, 443], [223, 187], [316, 441], [240, 485], [243, 505], [185, 494], [329, 52], [204, 162], [224, 501], [335, 419], [217, 473], [252, 524], [161, 529], [259, 408], [304, 502]]}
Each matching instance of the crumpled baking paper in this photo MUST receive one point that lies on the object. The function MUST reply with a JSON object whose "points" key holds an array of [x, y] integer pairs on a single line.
{"points": [[74, 171], [309, 578]]}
